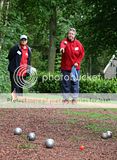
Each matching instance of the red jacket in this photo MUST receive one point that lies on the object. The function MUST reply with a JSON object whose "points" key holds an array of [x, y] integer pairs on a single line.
{"points": [[74, 53]]}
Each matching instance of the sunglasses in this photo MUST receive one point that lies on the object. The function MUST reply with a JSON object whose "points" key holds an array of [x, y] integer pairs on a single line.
{"points": [[23, 39]]}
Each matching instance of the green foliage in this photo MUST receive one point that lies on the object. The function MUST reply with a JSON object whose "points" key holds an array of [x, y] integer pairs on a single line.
{"points": [[50, 83], [58, 62], [47, 84], [93, 84], [37, 61], [10, 32], [4, 79], [95, 22]]}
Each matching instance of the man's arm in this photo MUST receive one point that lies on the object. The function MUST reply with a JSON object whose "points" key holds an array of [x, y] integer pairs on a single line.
{"points": [[63, 45]]}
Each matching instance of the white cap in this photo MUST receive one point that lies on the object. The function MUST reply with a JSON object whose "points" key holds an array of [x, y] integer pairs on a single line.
{"points": [[23, 37]]}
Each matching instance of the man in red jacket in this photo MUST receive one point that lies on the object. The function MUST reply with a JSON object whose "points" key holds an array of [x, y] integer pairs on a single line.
{"points": [[72, 55]]}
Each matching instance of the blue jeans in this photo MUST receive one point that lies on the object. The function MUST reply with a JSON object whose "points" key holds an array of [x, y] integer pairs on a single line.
{"points": [[69, 86]]}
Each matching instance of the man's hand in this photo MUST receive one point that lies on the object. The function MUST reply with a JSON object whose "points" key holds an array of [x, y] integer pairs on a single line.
{"points": [[76, 64], [62, 50]]}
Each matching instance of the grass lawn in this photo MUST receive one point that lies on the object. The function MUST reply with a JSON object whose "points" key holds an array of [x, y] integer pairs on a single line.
{"points": [[96, 122]]}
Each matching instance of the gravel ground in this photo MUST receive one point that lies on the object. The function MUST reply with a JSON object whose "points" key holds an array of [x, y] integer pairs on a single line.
{"points": [[53, 123]]}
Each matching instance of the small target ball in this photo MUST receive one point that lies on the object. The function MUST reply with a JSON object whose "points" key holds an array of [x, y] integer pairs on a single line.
{"points": [[49, 143], [17, 131], [31, 136], [82, 148]]}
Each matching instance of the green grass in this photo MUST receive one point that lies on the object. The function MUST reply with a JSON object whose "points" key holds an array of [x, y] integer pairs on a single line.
{"points": [[27, 146], [72, 121], [24, 137], [92, 115], [102, 116], [69, 121], [99, 128]]}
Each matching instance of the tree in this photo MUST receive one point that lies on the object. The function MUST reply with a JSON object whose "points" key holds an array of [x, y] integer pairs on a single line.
{"points": [[45, 18], [4, 9]]}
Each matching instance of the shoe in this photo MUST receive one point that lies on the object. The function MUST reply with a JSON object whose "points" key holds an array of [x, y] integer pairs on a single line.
{"points": [[74, 101], [65, 101]]}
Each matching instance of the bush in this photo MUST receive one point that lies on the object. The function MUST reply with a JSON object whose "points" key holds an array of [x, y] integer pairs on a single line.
{"points": [[49, 83], [98, 85], [4, 77], [48, 86]]}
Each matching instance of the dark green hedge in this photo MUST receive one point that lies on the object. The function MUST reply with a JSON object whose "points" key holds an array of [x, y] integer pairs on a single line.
{"points": [[88, 84]]}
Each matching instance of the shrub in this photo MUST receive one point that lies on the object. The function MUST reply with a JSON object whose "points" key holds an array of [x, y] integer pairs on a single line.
{"points": [[50, 83]]}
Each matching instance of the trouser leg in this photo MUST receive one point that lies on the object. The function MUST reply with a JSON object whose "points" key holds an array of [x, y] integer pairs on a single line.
{"points": [[66, 84], [13, 85], [20, 85], [75, 87]]}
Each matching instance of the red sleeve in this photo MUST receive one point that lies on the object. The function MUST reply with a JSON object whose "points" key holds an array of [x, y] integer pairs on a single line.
{"points": [[82, 53], [63, 43]]}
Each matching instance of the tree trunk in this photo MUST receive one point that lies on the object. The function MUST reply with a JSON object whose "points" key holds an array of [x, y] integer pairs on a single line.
{"points": [[1, 13], [6, 12], [52, 40], [1, 8]]}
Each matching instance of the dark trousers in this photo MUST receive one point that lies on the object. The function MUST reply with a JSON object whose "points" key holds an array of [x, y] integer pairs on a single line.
{"points": [[69, 86], [16, 84]]}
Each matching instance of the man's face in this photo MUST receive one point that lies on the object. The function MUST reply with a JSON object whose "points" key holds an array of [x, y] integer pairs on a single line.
{"points": [[23, 42], [71, 35]]}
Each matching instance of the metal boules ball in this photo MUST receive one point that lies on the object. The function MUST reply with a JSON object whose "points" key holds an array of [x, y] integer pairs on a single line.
{"points": [[49, 143], [31, 136], [109, 133], [17, 131], [104, 135]]}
